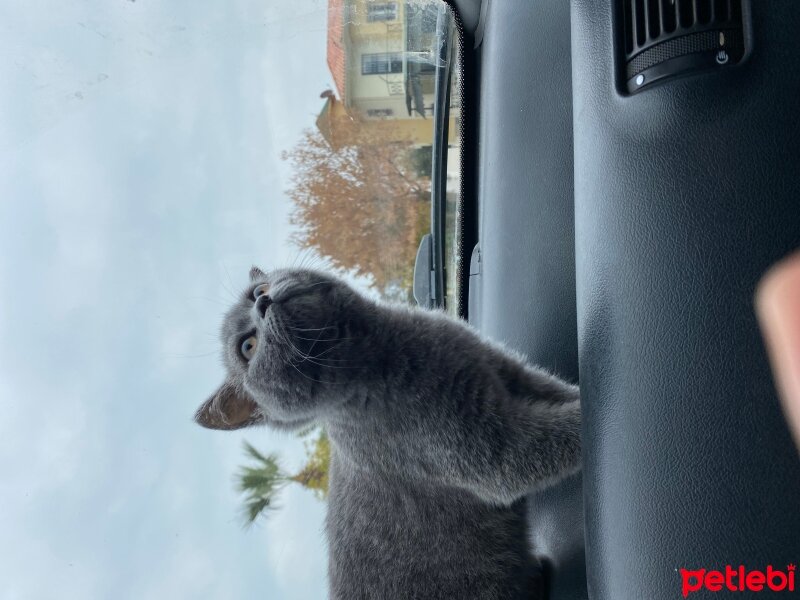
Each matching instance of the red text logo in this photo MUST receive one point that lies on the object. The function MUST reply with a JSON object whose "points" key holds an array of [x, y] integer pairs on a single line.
{"points": [[738, 580]]}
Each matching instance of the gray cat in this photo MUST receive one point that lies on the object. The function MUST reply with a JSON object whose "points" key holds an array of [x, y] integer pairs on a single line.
{"points": [[436, 435]]}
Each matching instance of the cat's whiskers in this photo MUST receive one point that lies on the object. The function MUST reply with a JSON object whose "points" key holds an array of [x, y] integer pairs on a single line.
{"points": [[327, 366], [286, 334], [311, 378], [289, 346], [296, 368], [274, 331], [309, 259], [308, 354], [304, 357], [285, 342], [220, 302], [330, 361], [317, 359], [334, 347], [230, 281], [310, 328], [313, 285], [331, 339]]}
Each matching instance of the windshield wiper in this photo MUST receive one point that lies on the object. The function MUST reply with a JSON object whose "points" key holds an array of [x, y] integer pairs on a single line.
{"points": [[429, 269]]}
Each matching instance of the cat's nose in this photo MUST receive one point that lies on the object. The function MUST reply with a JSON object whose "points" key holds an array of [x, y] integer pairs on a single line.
{"points": [[262, 304]]}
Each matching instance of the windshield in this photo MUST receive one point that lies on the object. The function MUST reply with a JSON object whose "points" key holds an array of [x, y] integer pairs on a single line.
{"points": [[151, 153]]}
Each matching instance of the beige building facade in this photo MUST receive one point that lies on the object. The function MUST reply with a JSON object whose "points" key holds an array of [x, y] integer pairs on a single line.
{"points": [[382, 56]]}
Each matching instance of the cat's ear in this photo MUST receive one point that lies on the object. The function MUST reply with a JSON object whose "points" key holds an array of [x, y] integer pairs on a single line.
{"points": [[228, 408], [256, 274]]}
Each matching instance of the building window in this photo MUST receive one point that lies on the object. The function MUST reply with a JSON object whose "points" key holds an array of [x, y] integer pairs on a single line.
{"points": [[385, 62], [378, 113], [383, 11]]}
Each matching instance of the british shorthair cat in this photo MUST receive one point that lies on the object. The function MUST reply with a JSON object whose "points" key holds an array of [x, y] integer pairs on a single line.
{"points": [[436, 434]]}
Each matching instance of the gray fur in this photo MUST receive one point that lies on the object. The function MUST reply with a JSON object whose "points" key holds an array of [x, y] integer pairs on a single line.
{"points": [[437, 435]]}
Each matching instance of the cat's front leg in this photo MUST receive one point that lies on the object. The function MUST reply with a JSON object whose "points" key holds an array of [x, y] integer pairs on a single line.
{"points": [[520, 445]]}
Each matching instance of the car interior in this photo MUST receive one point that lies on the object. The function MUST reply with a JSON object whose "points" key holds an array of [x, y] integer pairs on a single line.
{"points": [[599, 185], [629, 174]]}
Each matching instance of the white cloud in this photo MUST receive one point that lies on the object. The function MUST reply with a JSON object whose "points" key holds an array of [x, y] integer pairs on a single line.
{"points": [[44, 438], [189, 572], [78, 205], [296, 545], [181, 344], [45, 457], [291, 72], [50, 575], [116, 199]]}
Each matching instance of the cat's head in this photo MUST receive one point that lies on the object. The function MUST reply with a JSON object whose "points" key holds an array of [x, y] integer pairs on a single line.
{"points": [[288, 348]]}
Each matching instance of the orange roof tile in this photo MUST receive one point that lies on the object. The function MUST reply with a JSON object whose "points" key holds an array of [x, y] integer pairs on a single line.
{"points": [[337, 59]]}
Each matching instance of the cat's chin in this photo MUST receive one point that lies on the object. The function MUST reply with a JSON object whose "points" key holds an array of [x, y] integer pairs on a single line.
{"points": [[283, 404]]}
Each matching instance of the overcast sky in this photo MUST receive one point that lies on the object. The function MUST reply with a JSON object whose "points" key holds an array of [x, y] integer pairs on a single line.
{"points": [[139, 179]]}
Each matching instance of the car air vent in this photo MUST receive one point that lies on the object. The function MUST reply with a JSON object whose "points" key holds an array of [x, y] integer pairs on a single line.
{"points": [[666, 38]]}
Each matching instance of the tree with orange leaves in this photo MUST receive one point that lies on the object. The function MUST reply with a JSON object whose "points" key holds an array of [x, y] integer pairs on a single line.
{"points": [[359, 201]]}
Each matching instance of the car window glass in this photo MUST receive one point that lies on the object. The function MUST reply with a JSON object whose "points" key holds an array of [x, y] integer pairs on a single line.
{"points": [[150, 154]]}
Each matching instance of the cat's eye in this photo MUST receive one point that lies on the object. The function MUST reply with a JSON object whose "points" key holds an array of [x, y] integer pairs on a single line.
{"points": [[249, 346], [260, 291]]}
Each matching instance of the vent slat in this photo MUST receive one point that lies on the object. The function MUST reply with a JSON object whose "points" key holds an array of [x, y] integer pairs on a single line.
{"points": [[638, 18], [660, 5], [703, 8], [653, 18], [628, 18], [650, 22], [720, 10], [686, 13], [669, 16], [736, 11]]}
